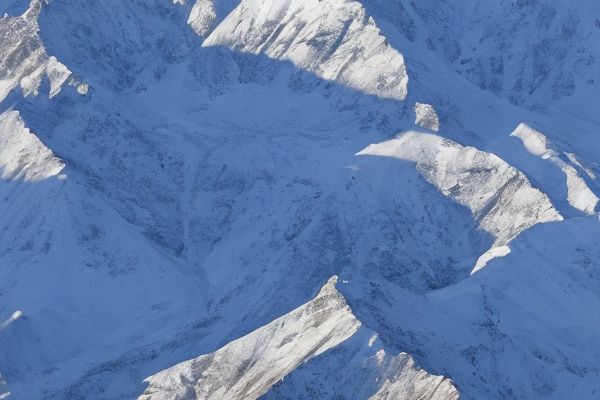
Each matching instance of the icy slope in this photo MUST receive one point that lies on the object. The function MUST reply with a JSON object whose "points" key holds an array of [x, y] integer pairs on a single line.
{"points": [[248, 367]]}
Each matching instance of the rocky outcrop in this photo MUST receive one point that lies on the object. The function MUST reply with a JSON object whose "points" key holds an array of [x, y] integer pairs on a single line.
{"points": [[426, 116], [25, 62]]}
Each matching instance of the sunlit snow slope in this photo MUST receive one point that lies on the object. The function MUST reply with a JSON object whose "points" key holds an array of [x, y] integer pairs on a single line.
{"points": [[181, 179]]}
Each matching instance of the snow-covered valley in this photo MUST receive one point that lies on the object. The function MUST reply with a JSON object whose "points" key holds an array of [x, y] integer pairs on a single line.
{"points": [[299, 199]]}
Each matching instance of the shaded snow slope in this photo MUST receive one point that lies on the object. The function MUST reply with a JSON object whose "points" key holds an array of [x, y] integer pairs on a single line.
{"points": [[209, 183], [533, 53], [537, 305], [560, 172], [78, 273]]}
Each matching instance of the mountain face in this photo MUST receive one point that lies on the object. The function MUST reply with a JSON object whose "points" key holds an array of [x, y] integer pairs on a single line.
{"points": [[299, 199], [248, 367]]}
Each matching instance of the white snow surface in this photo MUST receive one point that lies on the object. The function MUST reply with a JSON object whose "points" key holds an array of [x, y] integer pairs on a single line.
{"points": [[25, 60], [202, 17], [248, 367], [22, 155], [499, 251], [579, 195], [335, 39], [225, 158], [499, 196], [426, 117]]}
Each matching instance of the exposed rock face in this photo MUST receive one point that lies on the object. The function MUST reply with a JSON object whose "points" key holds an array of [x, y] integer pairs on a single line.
{"points": [[203, 17], [25, 63], [426, 116]]}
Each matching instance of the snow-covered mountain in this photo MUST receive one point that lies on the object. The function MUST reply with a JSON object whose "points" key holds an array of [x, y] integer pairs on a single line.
{"points": [[248, 367], [299, 199]]}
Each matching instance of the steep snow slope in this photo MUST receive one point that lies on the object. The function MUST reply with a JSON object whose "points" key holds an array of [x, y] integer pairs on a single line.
{"points": [[248, 367], [213, 186], [426, 116], [335, 39], [130, 214], [205, 15], [22, 155], [25, 62], [539, 54], [561, 173], [77, 278], [499, 196], [523, 327], [505, 48], [360, 368]]}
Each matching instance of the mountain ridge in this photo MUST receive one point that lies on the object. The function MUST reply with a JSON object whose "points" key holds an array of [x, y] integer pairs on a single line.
{"points": [[177, 175]]}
